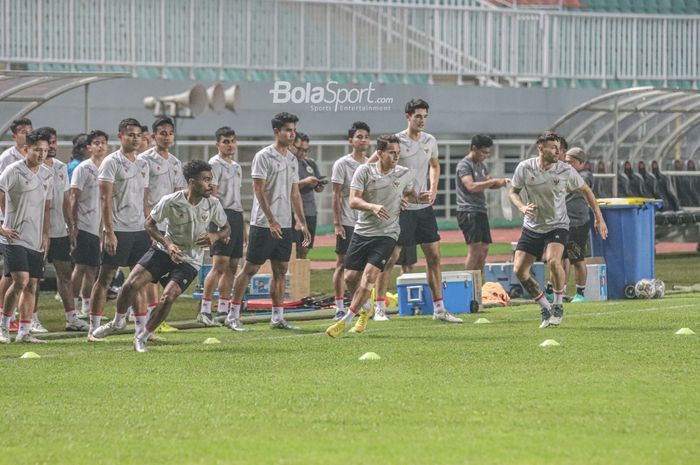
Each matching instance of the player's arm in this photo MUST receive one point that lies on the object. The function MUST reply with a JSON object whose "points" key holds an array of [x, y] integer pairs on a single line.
{"points": [[434, 176], [45, 228], [480, 186], [259, 190], [10, 234], [337, 206], [173, 250], [517, 201], [298, 208], [146, 210], [110, 239], [599, 225], [414, 197], [358, 203], [74, 200]]}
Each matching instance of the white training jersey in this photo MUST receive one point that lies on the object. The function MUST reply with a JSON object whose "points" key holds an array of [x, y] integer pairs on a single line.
{"points": [[416, 156], [61, 185], [8, 157], [26, 194], [228, 177], [85, 179], [343, 171], [279, 172], [164, 176], [186, 222], [547, 189], [129, 180]]}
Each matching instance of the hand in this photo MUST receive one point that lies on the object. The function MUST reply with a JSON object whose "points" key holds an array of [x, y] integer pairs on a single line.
{"points": [[9, 234], [73, 236], [529, 210], [340, 231], [110, 243], [175, 252], [503, 182], [380, 211], [307, 237], [426, 197], [275, 229], [601, 228], [225, 237], [404, 203], [245, 238], [45, 246], [432, 198], [319, 187]]}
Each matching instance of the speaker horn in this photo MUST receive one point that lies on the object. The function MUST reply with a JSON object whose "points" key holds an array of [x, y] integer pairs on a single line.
{"points": [[194, 100], [233, 98], [217, 98]]}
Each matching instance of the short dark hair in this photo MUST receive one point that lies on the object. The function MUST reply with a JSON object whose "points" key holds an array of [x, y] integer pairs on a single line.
{"points": [[414, 104], [280, 119], [95, 134], [192, 168], [144, 128], [160, 122], [36, 136], [126, 122], [79, 144], [547, 136], [14, 127], [357, 125], [563, 143], [384, 140], [481, 141], [224, 131], [48, 130], [302, 137]]}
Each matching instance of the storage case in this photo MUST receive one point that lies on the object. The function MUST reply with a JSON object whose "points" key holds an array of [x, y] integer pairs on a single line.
{"points": [[503, 273], [415, 297], [596, 283]]}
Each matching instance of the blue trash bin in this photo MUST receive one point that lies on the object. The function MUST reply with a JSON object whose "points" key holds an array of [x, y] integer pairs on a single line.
{"points": [[629, 249]]}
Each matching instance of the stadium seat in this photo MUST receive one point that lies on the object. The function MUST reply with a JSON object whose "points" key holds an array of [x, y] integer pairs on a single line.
{"points": [[650, 182], [666, 191], [206, 74], [636, 182], [234, 75], [342, 78], [623, 185]]}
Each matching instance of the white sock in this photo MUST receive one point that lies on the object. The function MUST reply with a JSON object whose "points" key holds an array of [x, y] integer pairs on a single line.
{"points": [[558, 297], [277, 313], [234, 310], [86, 307], [13, 317], [223, 306], [24, 327], [70, 315], [380, 306], [339, 304], [95, 321], [129, 312], [35, 317], [76, 302], [119, 317], [367, 305], [438, 306], [6, 320], [206, 306], [150, 308], [544, 303], [347, 318], [140, 319], [144, 334]]}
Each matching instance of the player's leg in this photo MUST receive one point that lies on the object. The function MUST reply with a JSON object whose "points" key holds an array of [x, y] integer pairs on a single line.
{"points": [[20, 280], [554, 253], [382, 284], [219, 267], [26, 306], [64, 283], [434, 274]]}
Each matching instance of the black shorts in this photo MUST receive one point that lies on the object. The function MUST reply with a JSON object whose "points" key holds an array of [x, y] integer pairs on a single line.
{"points": [[311, 226], [164, 270], [21, 259], [363, 250], [475, 227], [341, 245], [131, 246], [234, 247], [535, 243], [59, 249], [87, 249], [576, 246], [418, 227], [408, 256], [262, 246]]}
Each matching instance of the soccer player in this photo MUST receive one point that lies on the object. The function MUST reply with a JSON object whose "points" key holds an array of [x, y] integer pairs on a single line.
{"points": [[85, 218], [164, 177], [472, 215], [579, 224], [227, 179], [310, 182], [145, 143], [376, 191], [25, 198], [81, 151], [122, 182], [59, 238], [344, 217], [275, 182], [19, 128], [176, 257], [546, 180], [419, 153]]}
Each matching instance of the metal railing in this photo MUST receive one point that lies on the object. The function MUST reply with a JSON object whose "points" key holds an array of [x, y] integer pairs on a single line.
{"points": [[353, 40]]}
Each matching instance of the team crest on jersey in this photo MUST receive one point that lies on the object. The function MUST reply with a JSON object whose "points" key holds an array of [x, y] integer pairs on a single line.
{"points": [[556, 182], [143, 174], [426, 149], [205, 216], [396, 184]]}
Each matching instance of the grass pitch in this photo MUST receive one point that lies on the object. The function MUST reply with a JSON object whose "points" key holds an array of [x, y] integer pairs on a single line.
{"points": [[621, 388]]}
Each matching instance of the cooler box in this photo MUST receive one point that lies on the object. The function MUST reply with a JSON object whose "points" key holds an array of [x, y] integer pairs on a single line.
{"points": [[415, 298], [596, 283], [414, 293], [503, 274]]}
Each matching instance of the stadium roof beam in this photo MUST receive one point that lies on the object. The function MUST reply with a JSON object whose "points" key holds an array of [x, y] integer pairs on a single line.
{"points": [[33, 89]]}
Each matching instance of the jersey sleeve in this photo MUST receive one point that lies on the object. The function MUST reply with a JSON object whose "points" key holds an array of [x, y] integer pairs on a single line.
{"points": [[159, 212], [259, 168], [218, 215], [338, 175], [216, 173], [359, 180], [179, 182], [295, 172], [108, 170], [465, 169], [145, 172], [433, 148], [575, 181], [411, 183], [78, 178], [7, 180], [518, 180], [66, 180]]}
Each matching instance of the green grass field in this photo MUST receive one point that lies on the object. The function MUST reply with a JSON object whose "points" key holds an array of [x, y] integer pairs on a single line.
{"points": [[621, 388]]}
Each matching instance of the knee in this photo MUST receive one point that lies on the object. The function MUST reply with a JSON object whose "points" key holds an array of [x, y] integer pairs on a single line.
{"points": [[522, 272], [168, 298], [554, 263]]}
